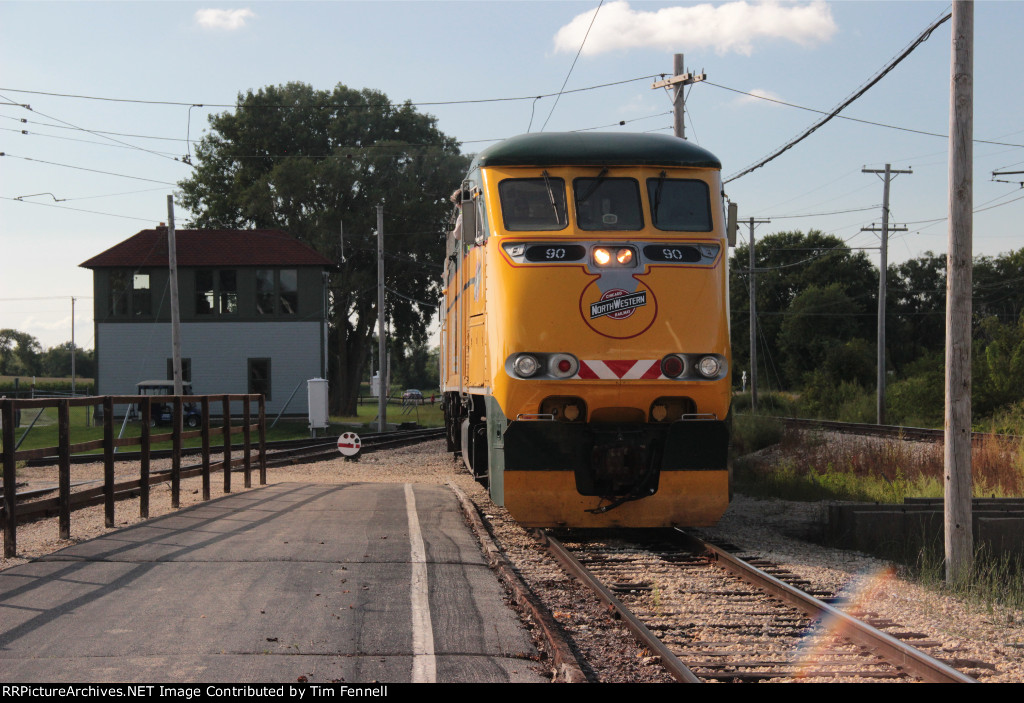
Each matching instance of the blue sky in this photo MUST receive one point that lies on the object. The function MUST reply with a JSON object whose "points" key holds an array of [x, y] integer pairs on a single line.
{"points": [[811, 54]]}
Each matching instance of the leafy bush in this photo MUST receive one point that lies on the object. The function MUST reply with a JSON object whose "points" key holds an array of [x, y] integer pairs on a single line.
{"points": [[777, 404], [917, 401], [752, 432]]}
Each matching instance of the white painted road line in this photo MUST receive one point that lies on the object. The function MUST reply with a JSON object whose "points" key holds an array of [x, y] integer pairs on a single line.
{"points": [[424, 663]]}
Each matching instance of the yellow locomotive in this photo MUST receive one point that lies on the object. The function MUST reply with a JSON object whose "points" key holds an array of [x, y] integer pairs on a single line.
{"points": [[585, 361]]}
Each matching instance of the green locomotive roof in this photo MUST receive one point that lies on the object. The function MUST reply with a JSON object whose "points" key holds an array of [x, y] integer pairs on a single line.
{"points": [[596, 149]]}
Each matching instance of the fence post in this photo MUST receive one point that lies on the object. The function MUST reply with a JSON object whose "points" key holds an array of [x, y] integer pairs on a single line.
{"points": [[227, 443], [205, 405], [247, 437], [10, 518], [147, 419], [263, 440], [108, 461], [64, 469]]}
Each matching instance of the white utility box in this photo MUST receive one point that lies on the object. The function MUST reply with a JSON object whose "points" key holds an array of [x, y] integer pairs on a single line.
{"points": [[316, 389]]}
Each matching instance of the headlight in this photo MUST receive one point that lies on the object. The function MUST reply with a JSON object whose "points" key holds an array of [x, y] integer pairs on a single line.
{"points": [[615, 256], [526, 365], [709, 366]]}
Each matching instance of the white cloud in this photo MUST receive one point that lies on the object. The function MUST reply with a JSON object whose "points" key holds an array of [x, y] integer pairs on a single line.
{"points": [[730, 27], [756, 93], [228, 20]]}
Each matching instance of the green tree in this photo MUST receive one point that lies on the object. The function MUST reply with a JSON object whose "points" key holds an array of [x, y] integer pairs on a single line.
{"points": [[998, 284], [814, 332], [56, 361], [788, 264], [418, 367], [916, 310], [309, 161], [19, 353], [998, 361]]}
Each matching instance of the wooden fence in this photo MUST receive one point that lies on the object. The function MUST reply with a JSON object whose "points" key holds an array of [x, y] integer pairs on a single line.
{"points": [[65, 502]]}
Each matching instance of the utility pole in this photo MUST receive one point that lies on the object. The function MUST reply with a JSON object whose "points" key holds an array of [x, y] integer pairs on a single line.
{"points": [[679, 80], [172, 259], [959, 541], [753, 317], [883, 268], [72, 347], [382, 392]]}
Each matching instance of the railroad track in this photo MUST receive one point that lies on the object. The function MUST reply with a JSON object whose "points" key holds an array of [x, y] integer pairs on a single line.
{"points": [[711, 616], [280, 448], [282, 453], [310, 451], [914, 434]]}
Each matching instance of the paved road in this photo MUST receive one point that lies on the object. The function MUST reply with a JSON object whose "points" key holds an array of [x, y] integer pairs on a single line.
{"points": [[355, 583]]}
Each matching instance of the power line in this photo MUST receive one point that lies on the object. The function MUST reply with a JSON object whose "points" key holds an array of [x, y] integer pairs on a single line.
{"points": [[578, 52], [76, 209], [91, 170], [622, 123], [327, 105], [118, 141], [93, 131], [820, 214], [863, 89], [857, 119], [26, 133]]}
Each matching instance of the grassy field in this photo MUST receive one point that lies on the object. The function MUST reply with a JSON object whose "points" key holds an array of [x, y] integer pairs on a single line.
{"points": [[807, 467]]}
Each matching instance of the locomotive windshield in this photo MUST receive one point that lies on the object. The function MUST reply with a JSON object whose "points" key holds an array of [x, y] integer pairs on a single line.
{"points": [[679, 205], [608, 204], [529, 204]]}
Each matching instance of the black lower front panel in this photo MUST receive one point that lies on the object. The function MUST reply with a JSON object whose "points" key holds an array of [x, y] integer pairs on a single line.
{"points": [[616, 459]]}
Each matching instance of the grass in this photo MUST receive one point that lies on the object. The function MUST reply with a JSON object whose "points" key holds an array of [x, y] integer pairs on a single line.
{"points": [[851, 468], [811, 468], [994, 580]]}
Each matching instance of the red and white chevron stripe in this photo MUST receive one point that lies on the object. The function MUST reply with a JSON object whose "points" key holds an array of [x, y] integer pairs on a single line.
{"points": [[622, 369]]}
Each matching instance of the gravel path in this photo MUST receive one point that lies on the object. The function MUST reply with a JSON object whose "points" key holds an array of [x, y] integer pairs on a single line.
{"points": [[967, 632]]}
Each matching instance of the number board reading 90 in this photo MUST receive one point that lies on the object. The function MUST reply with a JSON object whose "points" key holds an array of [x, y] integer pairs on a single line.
{"points": [[556, 252], [673, 252]]}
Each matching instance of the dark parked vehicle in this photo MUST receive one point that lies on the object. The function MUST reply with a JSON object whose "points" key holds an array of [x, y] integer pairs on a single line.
{"points": [[163, 413], [412, 397]]}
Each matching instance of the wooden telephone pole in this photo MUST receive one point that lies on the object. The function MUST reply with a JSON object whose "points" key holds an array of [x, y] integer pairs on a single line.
{"points": [[679, 80], [883, 268], [382, 388], [172, 260], [753, 317], [958, 482]]}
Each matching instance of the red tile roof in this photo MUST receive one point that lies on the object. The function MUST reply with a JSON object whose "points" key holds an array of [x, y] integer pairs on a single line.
{"points": [[210, 247]]}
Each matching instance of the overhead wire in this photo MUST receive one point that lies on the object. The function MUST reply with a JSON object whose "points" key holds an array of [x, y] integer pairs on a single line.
{"points": [[57, 119], [91, 170], [857, 94], [857, 119], [410, 103], [77, 209], [578, 52]]}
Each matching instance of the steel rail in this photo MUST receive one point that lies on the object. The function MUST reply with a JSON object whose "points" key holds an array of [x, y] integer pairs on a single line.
{"points": [[891, 649], [679, 671], [280, 447], [910, 433], [282, 453]]}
